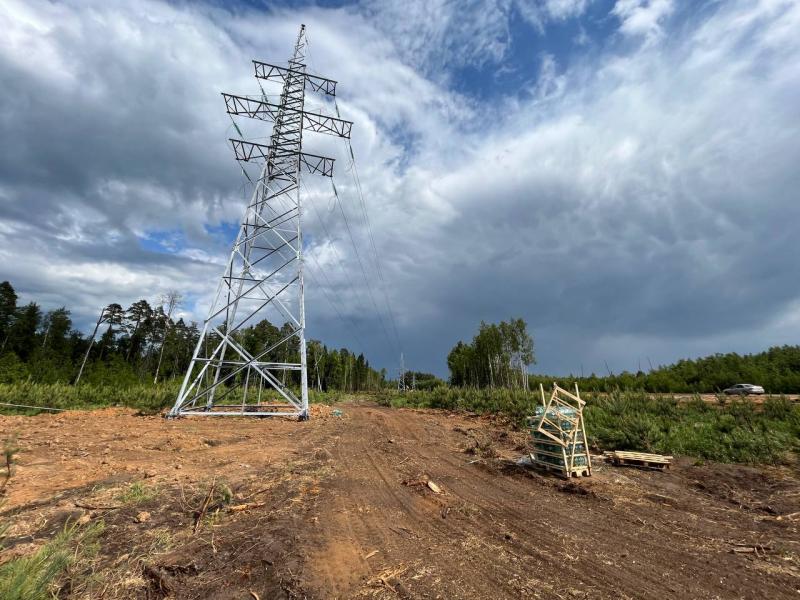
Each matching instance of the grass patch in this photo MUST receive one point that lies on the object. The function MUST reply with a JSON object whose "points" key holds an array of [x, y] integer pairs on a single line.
{"points": [[328, 397], [40, 575], [147, 398], [160, 541], [137, 493]]}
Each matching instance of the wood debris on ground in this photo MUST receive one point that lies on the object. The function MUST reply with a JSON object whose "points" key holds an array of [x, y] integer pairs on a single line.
{"points": [[431, 485]]}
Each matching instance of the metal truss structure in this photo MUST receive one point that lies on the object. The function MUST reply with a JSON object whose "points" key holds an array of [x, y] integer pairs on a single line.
{"points": [[264, 274], [267, 111]]}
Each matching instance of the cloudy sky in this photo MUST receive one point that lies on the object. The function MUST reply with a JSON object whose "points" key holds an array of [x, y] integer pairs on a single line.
{"points": [[625, 175]]}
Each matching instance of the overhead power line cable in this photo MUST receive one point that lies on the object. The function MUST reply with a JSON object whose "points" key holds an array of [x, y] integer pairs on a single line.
{"points": [[354, 328], [370, 234], [375, 254], [338, 258], [324, 274], [360, 263], [35, 407]]}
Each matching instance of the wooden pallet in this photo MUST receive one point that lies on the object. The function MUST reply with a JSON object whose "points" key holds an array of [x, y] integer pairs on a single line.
{"points": [[638, 459], [563, 471]]}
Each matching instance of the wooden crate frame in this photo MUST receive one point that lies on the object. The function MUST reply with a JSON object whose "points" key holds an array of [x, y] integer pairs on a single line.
{"points": [[561, 399]]}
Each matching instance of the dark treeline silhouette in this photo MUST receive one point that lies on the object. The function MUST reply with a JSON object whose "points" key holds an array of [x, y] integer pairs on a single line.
{"points": [[145, 343]]}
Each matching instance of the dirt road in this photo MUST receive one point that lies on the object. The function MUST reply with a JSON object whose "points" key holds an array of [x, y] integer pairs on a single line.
{"points": [[337, 508]]}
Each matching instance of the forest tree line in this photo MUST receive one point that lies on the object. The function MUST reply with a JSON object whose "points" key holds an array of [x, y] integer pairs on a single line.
{"points": [[499, 354], [776, 369], [144, 343]]}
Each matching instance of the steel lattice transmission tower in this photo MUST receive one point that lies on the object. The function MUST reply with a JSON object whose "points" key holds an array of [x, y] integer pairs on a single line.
{"points": [[264, 274]]}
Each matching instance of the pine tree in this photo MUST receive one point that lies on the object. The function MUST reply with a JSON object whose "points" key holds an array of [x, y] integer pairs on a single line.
{"points": [[8, 307]]}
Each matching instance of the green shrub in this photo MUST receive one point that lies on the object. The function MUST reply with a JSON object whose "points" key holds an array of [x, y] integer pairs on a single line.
{"points": [[329, 397], [146, 397], [35, 577], [638, 421], [779, 407]]}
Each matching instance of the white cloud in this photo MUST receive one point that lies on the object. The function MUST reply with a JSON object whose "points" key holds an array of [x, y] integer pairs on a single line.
{"points": [[540, 12], [429, 35], [642, 17], [562, 9]]}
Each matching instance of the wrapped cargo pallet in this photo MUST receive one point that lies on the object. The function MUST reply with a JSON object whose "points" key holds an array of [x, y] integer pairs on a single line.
{"points": [[559, 436]]}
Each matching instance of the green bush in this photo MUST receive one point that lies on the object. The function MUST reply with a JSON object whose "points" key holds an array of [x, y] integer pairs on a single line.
{"points": [[12, 369]]}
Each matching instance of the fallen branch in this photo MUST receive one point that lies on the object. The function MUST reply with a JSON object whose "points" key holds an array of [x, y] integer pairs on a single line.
{"points": [[426, 482], [757, 549], [9, 450], [246, 506], [404, 530], [93, 507], [204, 507], [385, 577]]}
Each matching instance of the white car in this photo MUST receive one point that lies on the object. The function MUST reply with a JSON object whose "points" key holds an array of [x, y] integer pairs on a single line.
{"points": [[743, 389]]}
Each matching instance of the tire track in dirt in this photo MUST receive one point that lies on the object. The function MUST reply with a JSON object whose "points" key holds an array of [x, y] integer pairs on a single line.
{"points": [[502, 535], [499, 497], [604, 530], [498, 500], [478, 533], [442, 528], [368, 520]]}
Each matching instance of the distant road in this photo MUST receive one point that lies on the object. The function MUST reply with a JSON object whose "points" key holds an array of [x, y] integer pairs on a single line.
{"points": [[712, 398]]}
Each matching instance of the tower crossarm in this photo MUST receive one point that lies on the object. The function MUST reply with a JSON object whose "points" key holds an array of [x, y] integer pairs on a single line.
{"points": [[270, 72], [247, 151], [267, 111]]}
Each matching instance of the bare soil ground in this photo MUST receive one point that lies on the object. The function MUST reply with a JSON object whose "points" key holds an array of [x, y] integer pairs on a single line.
{"points": [[333, 508]]}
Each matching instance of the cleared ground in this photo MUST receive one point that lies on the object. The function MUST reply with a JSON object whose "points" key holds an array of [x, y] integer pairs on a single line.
{"points": [[332, 508]]}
